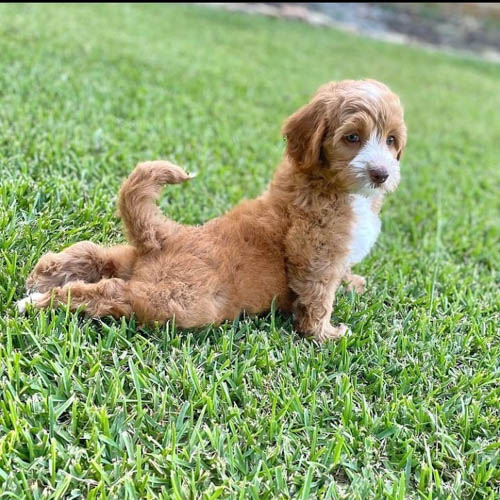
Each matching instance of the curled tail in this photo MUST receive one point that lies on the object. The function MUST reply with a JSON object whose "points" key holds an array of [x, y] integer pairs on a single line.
{"points": [[145, 226]]}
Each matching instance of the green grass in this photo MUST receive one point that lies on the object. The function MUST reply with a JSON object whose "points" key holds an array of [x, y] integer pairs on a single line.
{"points": [[405, 407]]}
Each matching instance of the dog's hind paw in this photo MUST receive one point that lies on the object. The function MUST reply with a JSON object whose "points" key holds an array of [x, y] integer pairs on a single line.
{"points": [[30, 299]]}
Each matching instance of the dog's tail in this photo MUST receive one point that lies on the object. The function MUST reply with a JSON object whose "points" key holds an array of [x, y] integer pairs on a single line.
{"points": [[145, 226]]}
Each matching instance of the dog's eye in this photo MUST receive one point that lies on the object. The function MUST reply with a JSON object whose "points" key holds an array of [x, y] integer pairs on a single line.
{"points": [[390, 140], [352, 138]]}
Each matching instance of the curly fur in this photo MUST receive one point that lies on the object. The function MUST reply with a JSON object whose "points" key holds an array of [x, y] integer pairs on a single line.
{"points": [[291, 244]]}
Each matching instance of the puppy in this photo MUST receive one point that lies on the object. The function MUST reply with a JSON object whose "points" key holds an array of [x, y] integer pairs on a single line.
{"points": [[294, 244]]}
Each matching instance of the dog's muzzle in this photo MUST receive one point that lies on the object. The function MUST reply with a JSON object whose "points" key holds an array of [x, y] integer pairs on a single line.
{"points": [[378, 175]]}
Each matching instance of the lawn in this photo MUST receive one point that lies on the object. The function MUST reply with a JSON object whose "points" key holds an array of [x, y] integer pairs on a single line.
{"points": [[405, 407]]}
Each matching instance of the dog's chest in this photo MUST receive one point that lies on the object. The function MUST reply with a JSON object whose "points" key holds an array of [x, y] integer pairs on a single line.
{"points": [[366, 229]]}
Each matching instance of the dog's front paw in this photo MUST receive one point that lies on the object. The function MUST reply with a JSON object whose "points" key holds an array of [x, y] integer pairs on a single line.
{"points": [[356, 283], [330, 332], [30, 299]]}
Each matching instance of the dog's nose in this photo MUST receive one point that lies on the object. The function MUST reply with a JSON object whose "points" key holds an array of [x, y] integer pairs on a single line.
{"points": [[378, 175]]}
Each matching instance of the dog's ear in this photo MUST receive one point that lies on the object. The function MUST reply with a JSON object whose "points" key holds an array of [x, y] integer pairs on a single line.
{"points": [[403, 145], [305, 131], [403, 136]]}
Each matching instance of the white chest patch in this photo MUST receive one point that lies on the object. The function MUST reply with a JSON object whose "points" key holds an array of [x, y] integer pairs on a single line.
{"points": [[366, 228]]}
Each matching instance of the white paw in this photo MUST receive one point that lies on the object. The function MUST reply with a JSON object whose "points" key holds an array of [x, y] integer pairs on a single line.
{"points": [[21, 304]]}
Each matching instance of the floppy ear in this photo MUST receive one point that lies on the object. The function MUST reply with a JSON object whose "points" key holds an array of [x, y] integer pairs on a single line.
{"points": [[403, 146], [305, 131], [404, 136]]}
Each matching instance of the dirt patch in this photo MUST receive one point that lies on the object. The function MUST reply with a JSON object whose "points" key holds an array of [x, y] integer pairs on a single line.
{"points": [[470, 28]]}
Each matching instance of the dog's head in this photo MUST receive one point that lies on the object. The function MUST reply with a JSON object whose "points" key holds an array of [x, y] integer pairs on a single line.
{"points": [[352, 133]]}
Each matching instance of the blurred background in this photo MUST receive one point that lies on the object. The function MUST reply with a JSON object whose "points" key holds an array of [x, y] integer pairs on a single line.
{"points": [[468, 27]]}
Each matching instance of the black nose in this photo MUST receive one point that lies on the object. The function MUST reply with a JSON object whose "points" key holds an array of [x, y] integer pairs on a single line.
{"points": [[378, 175]]}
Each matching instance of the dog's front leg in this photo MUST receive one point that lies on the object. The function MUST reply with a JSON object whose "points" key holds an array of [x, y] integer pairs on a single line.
{"points": [[354, 282], [314, 273], [313, 309]]}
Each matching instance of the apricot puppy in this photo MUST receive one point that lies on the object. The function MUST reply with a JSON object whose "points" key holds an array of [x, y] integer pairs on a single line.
{"points": [[294, 243]]}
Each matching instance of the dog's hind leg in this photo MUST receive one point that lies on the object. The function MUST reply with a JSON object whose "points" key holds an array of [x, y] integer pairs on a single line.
{"points": [[84, 261], [145, 226], [111, 297], [108, 297]]}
